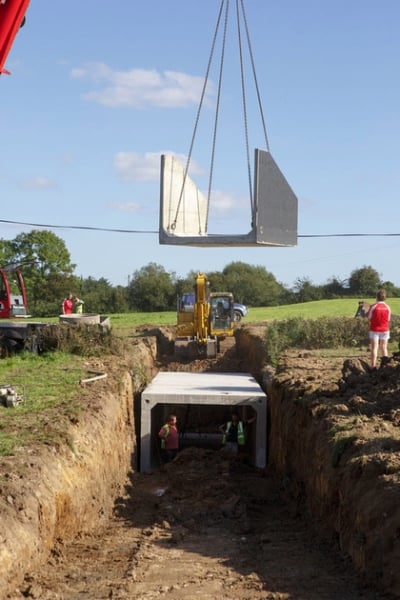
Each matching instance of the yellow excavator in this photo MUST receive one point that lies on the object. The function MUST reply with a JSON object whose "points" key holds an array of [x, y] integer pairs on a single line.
{"points": [[204, 318]]}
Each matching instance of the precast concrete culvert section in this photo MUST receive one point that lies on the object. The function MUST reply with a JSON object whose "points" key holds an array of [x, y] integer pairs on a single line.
{"points": [[113, 522], [202, 402]]}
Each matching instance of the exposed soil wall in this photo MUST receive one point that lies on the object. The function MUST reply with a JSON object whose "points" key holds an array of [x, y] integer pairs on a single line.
{"points": [[340, 466], [335, 444], [58, 492]]}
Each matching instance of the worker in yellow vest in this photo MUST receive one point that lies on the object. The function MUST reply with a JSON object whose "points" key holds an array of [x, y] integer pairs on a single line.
{"points": [[78, 305], [234, 434]]}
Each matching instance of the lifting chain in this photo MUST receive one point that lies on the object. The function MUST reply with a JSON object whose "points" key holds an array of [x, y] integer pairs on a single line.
{"points": [[240, 17]]}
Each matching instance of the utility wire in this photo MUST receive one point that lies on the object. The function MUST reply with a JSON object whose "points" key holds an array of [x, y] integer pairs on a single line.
{"points": [[327, 235], [138, 231], [78, 227]]}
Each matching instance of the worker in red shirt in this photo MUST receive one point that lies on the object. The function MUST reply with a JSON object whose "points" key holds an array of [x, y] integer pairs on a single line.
{"points": [[169, 439], [68, 305], [379, 327]]}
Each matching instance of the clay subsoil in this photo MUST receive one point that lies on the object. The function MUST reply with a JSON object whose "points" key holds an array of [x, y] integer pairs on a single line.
{"points": [[322, 521]]}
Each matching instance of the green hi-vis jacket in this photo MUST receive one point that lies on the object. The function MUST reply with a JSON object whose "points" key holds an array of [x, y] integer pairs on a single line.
{"points": [[240, 433], [166, 427]]}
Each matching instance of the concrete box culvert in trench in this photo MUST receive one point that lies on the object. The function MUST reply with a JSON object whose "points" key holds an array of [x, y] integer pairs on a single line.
{"points": [[211, 396]]}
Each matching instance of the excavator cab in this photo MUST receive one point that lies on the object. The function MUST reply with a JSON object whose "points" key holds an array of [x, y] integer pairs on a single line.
{"points": [[221, 314]]}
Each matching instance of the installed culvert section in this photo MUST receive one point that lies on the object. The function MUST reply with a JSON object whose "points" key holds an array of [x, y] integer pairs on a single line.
{"points": [[174, 392]]}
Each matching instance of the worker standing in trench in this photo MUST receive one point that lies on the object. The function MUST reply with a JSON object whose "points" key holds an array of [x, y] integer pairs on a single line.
{"points": [[169, 436], [234, 433]]}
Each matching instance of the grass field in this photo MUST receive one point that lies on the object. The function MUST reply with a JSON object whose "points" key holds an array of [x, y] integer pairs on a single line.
{"points": [[306, 310], [314, 310]]}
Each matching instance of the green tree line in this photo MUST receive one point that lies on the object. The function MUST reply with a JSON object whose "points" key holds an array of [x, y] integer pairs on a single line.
{"points": [[49, 276]]}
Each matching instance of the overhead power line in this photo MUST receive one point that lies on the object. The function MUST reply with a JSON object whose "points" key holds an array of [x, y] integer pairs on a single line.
{"points": [[327, 235], [151, 231], [85, 227]]}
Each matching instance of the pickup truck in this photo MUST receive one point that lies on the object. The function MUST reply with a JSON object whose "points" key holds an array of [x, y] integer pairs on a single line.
{"points": [[239, 310]]}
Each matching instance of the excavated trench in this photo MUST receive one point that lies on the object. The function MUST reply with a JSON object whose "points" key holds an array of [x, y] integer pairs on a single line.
{"points": [[78, 520]]}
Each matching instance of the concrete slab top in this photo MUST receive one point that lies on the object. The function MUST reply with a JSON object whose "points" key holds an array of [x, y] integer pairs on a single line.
{"points": [[212, 385]]}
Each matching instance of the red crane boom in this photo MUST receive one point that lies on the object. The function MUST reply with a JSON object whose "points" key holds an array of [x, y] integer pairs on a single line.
{"points": [[12, 15]]}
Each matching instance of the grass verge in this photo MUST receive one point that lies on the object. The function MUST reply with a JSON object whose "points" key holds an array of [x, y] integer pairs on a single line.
{"points": [[50, 384]]}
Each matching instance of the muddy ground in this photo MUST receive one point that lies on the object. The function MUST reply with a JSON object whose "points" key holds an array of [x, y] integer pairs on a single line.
{"points": [[203, 527], [321, 522]]}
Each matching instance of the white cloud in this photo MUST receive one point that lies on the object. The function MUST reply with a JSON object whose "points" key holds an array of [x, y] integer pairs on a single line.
{"points": [[68, 159], [129, 207], [222, 202], [140, 88], [132, 166], [38, 183]]}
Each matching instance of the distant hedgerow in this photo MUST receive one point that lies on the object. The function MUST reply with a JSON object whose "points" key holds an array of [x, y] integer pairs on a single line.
{"points": [[325, 332], [86, 340]]}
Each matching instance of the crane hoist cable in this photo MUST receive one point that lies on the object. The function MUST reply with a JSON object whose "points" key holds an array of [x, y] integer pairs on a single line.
{"points": [[223, 16]]}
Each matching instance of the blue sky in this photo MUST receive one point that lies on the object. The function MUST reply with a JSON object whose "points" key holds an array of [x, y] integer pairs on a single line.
{"points": [[99, 90]]}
